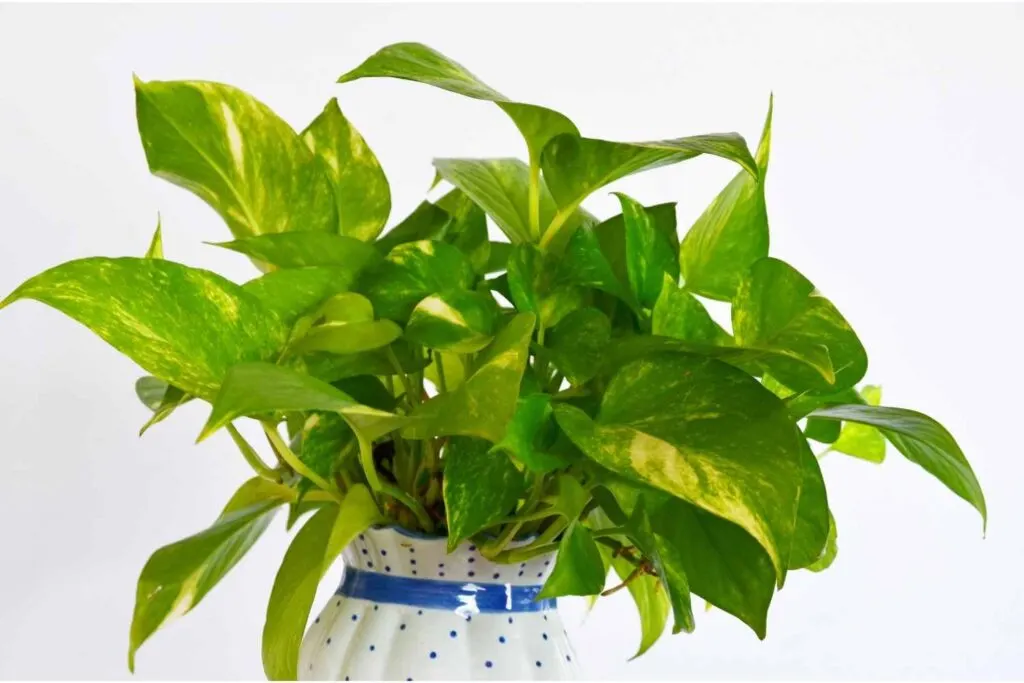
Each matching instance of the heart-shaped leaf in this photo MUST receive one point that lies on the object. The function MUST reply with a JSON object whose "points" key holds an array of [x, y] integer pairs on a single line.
{"points": [[417, 62], [778, 309], [531, 435], [183, 325], [732, 233], [483, 405], [235, 154], [260, 388], [501, 187], [481, 487], [310, 555], [651, 258], [411, 272], [534, 287], [295, 292], [361, 189], [298, 249], [705, 432], [347, 337], [457, 321], [723, 564], [578, 343], [426, 222], [178, 576], [678, 314], [579, 569], [574, 166], [921, 440]]}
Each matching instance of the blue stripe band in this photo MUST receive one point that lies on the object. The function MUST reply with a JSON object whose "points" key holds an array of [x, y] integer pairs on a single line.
{"points": [[462, 597]]}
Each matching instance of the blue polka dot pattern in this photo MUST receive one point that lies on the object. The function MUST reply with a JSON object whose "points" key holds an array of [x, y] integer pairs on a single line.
{"points": [[439, 644]]}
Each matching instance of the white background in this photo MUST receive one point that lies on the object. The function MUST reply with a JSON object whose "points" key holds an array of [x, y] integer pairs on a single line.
{"points": [[895, 185]]}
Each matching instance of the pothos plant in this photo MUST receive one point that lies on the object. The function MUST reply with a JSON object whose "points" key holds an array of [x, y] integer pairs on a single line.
{"points": [[567, 385]]}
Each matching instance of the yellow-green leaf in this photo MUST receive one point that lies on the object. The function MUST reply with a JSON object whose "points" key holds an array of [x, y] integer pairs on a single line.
{"points": [[861, 440], [457, 321], [360, 187], [579, 569], [481, 487], [309, 557], [183, 325], [178, 576], [236, 154]]}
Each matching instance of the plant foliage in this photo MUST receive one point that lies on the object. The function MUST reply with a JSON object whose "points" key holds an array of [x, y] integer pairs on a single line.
{"points": [[595, 406]]}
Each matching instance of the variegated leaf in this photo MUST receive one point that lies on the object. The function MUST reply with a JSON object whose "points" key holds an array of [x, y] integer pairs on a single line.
{"points": [[860, 440], [679, 314], [183, 325], [298, 249], [732, 233], [347, 337], [651, 258], [481, 487], [705, 432], [360, 187], [178, 576], [236, 154], [456, 321], [411, 272], [485, 402], [778, 309]]}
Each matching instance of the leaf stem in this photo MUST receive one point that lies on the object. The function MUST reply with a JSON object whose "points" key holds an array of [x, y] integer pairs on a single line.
{"points": [[410, 395], [251, 457], [442, 383], [637, 571], [282, 449]]}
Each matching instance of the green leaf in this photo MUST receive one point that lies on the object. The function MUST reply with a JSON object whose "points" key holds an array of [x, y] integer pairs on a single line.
{"points": [[501, 188], [578, 343], [324, 436], [235, 154], [921, 440], [156, 245], [310, 555], [732, 233], [467, 229], [483, 405], [860, 440], [498, 259], [457, 321], [678, 314], [831, 549], [481, 487], [534, 288], [777, 308], [343, 337], [665, 558], [331, 367], [585, 262], [360, 187], [826, 431], [426, 222], [413, 271], [298, 249], [294, 292], [160, 397], [650, 257], [260, 388], [178, 576], [705, 432], [651, 604], [811, 531], [579, 569], [346, 307], [183, 325], [574, 167], [417, 62], [723, 564], [530, 435]]}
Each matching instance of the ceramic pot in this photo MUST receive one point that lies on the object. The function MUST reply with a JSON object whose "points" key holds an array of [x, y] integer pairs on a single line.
{"points": [[406, 610]]}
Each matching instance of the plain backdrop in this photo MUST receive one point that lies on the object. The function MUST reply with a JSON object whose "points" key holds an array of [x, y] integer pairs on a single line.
{"points": [[895, 185]]}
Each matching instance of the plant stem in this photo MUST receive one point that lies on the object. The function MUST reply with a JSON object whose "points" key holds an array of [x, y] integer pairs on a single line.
{"points": [[410, 395], [534, 196], [282, 449], [637, 571], [442, 383], [251, 457]]}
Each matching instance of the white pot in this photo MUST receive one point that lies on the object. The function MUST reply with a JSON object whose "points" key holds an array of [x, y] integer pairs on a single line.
{"points": [[406, 610]]}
